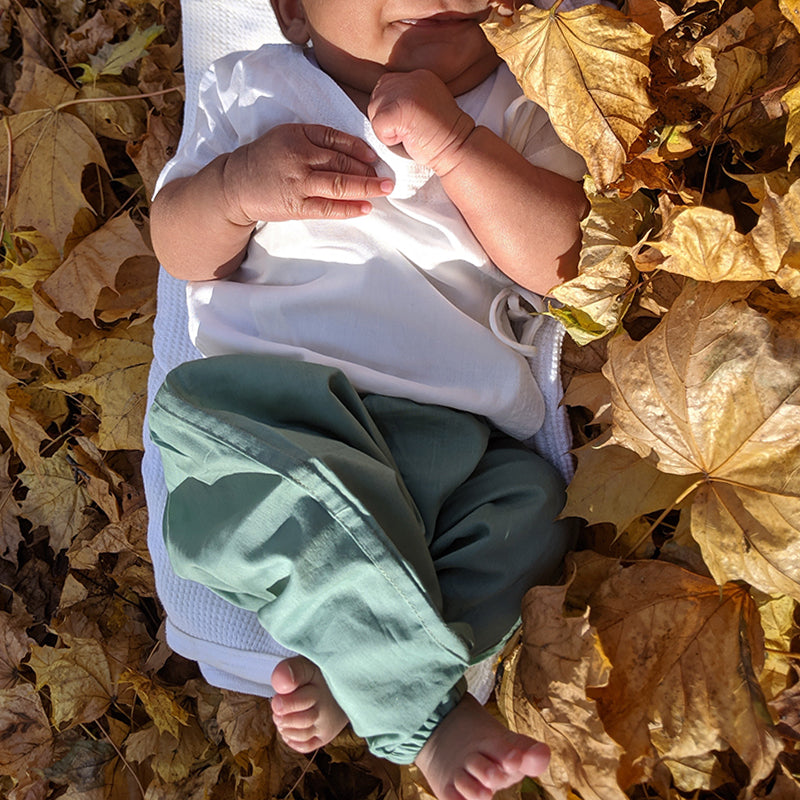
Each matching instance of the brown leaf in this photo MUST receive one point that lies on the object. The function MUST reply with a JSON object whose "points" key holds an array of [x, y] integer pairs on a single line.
{"points": [[117, 381], [725, 415], [79, 679], [10, 535], [93, 266], [778, 622], [588, 68], [544, 695], [172, 760], [685, 654], [50, 148], [246, 721], [154, 149], [26, 741], [159, 702], [14, 644], [56, 498]]}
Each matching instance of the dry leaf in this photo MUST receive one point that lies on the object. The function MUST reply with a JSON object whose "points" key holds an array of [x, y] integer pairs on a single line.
{"points": [[595, 301], [685, 654], [159, 703], [93, 266], [26, 741], [724, 414], [792, 100], [56, 498], [79, 678], [588, 68], [545, 696], [703, 243], [49, 151], [245, 721]]}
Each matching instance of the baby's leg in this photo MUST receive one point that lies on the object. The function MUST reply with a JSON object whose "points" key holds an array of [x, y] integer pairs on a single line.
{"points": [[471, 755], [303, 708]]}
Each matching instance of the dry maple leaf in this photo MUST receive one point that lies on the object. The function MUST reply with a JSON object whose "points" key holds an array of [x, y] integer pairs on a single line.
{"points": [[703, 243], [93, 266], [593, 303], [79, 677], [544, 695], [49, 149], [26, 740], [713, 394], [588, 68], [685, 654]]}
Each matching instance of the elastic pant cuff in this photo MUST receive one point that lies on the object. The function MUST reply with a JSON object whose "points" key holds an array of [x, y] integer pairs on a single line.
{"points": [[406, 752]]}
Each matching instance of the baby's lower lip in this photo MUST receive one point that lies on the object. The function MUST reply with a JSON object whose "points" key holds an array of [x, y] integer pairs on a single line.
{"points": [[436, 21]]}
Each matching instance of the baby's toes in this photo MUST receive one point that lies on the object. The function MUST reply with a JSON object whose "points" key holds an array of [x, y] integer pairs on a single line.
{"points": [[470, 788], [300, 721], [487, 771], [302, 743], [300, 700]]}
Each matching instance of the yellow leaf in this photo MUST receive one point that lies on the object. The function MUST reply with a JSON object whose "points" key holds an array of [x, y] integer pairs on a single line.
{"points": [[28, 269], [79, 679], [117, 381], [49, 149], [544, 695], [792, 100], [602, 290], [18, 420], [713, 394], [613, 484], [159, 703], [703, 243], [93, 265], [26, 741], [777, 620], [172, 759], [588, 68], [791, 10], [56, 498], [685, 654]]}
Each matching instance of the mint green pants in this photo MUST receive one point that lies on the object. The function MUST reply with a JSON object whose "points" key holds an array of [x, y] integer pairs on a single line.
{"points": [[389, 542]]}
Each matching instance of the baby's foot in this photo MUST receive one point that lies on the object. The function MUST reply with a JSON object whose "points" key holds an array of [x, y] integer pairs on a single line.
{"points": [[471, 755], [303, 708]]}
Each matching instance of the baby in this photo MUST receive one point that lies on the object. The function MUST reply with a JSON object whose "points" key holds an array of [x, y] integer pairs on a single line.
{"points": [[347, 463]]}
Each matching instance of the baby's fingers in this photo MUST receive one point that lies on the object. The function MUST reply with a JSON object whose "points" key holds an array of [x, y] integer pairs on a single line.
{"points": [[337, 195], [340, 142]]}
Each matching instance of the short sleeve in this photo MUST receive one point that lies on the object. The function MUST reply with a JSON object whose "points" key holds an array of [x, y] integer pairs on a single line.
{"points": [[527, 128], [213, 132]]}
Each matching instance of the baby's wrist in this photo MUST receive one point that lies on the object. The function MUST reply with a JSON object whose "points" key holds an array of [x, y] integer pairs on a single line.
{"points": [[232, 169], [452, 155]]}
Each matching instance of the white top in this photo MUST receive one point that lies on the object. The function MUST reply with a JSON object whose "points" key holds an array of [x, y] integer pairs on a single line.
{"points": [[400, 299]]}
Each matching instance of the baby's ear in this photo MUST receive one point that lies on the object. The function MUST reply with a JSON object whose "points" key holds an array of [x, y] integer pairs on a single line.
{"points": [[292, 19]]}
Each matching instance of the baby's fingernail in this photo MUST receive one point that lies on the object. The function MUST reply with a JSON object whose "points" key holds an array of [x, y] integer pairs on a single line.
{"points": [[387, 186], [366, 208]]}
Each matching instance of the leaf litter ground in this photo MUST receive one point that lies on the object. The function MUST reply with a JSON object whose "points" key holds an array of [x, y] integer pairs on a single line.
{"points": [[666, 664]]}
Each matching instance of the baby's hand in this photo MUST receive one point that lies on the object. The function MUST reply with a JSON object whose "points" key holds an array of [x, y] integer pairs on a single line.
{"points": [[301, 172], [416, 109]]}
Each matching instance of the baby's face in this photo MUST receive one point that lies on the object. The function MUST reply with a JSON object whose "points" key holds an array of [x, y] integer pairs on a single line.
{"points": [[356, 41]]}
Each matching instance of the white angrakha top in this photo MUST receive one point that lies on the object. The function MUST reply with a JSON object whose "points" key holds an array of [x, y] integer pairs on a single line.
{"points": [[400, 299]]}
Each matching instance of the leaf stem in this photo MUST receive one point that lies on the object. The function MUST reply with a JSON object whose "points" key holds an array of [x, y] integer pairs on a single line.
{"points": [[81, 100], [9, 165], [306, 768], [784, 653], [649, 532], [121, 757]]}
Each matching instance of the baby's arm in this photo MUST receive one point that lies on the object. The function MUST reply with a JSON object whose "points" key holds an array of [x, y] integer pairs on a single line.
{"points": [[201, 225], [525, 217]]}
